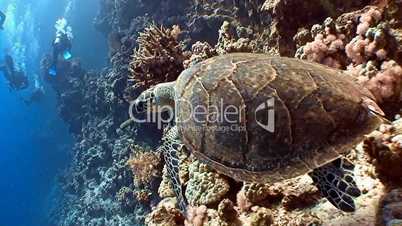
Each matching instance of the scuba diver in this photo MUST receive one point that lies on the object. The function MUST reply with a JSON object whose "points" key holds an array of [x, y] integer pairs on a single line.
{"points": [[61, 48], [17, 79], [37, 94], [2, 20]]}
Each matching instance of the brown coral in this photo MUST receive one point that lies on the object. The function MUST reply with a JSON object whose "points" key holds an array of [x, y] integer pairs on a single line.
{"points": [[165, 214], [385, 150], [259, 216], [228, 42], [159, 57], [145, 165], [200, 51], [143, 195]]}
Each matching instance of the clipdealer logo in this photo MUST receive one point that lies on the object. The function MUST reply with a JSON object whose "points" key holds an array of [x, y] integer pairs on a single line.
{"points": [[228, 117]]}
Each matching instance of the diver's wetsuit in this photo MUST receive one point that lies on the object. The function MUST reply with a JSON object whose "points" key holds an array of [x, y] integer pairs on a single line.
{"points": [[60, 45], [2, 19], [17, 79], [36, 96]]}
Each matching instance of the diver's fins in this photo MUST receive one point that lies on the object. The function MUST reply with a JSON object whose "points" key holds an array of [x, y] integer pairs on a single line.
{"points": [[67, 55]]}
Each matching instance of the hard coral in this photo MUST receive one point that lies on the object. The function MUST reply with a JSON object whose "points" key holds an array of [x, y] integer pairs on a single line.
{"points": [[125, 196], [364, 43], [229, 42], [145, 165], [387, 84], [205, 186], [370, 40], [200, 51], [327, 46], [385, 150], [143, 195], [165, 214], [202, 216], [159, 57], [259, 216]]}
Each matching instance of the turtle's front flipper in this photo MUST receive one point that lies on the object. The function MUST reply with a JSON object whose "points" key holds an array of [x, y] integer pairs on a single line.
{"points": [[170, 147], [335, 182]]}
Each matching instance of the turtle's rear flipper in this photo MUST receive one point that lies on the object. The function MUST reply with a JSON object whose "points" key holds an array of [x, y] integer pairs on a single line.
{"points": [[170, 147], [336, 183]]}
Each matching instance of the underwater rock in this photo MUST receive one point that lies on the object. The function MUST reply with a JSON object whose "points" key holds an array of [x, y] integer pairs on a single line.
{"points": [[125, 197], [292, 194], [200, 52], [228, 42], [259, 216], [384, 147], [288, 16], [227, 211], [165, 214]]}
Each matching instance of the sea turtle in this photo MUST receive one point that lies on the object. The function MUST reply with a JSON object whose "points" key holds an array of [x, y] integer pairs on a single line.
{"points": [[264, 119]]}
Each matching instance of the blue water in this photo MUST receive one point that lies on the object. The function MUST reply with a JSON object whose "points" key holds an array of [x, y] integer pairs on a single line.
{"points": [[35, 145]]}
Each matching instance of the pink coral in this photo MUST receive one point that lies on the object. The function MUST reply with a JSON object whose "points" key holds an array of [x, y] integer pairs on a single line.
{"points": [[242, 201], [366, 44], [386, 85], [196, 215], [321, 49]]}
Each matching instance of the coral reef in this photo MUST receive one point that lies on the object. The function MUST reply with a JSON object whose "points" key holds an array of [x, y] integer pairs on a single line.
{"points": [[99, 185], [165, 214], [384, 147], [144, 164], [159, 57], [288, 17], [205, 187], [363, 42]]}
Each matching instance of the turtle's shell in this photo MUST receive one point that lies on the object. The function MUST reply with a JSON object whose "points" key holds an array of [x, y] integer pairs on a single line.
{"points": [[227, 107]]}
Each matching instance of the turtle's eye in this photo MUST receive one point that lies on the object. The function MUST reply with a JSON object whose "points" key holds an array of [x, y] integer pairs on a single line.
{"points": [[140, 106]]}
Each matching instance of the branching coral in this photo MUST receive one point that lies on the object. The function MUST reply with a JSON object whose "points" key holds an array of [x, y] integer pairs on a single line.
{"points": [[159, 57], [145, 165]]}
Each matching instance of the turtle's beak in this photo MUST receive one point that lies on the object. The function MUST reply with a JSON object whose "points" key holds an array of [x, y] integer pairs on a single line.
{"points": [[375, 110]]}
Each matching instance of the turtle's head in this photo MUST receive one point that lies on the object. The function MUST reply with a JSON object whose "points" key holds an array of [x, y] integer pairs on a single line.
{"points": [[144, 101], [159, 98]]}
